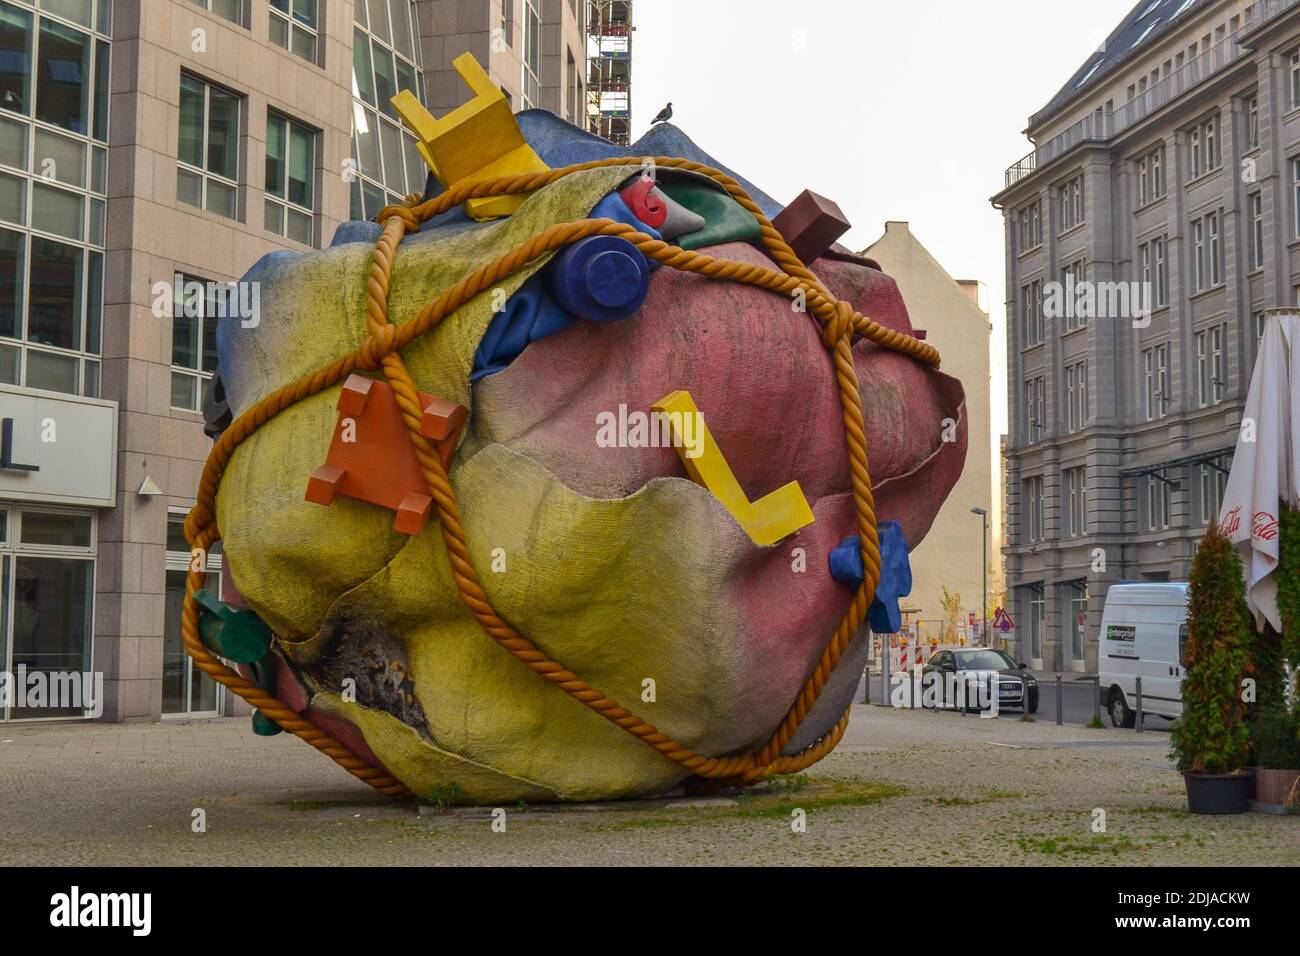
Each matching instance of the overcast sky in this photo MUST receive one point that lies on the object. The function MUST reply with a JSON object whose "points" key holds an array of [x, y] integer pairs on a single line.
{"points": [[909, 111]]}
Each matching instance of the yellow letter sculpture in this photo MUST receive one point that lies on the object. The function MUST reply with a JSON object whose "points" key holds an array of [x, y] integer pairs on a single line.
{"points": [[766, 521], [479, 140]]}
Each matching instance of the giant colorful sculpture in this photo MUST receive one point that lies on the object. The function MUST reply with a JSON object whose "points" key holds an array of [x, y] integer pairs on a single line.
{"points": [[574, 479]]}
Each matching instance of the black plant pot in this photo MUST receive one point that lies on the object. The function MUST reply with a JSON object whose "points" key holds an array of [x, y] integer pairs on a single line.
{"points": [[1217, 793]]}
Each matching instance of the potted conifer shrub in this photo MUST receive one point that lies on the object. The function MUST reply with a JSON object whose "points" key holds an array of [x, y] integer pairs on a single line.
{"points": [[1271, 677], [1287, 576], [1211, 741], [1276, 738], [1277, 759]]}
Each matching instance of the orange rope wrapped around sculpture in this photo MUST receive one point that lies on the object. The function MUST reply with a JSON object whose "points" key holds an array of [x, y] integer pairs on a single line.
{"points": [[382, 351]]}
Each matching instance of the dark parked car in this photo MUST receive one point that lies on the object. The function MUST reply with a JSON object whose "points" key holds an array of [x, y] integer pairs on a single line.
{"points": [[978, 668]]}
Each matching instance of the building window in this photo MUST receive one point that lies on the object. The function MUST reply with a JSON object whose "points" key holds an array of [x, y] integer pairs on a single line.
{"points": [[1076, 483], [1157, 501], [1200, 271], [1073, 275], [185, 688], [1035, 410], [385, 58], [1031, 305], [1154, 271], [47, 593], [1035, 504], [1214, 482], [1295, 80], [1295, 193], [1031, 226], [1252, 121], [1256, 206], [1037, 617], [1215, 248], [53, 172], [1071, 203], [508, 23], [290, 177], [1076, 396], [1151, 176], [1204, 147], [293, 26], [1078, 595], [1261, 320], [1160, 290], [1155, 381], [196, 305], [232, 10], [1210, 380], [1207, 252], [571, 84], [531, 62], [207, 173]]}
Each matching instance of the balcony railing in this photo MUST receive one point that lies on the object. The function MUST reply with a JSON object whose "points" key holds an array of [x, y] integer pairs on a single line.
{"points": [[1095, 127], [1101, 126], [1268, 9]]}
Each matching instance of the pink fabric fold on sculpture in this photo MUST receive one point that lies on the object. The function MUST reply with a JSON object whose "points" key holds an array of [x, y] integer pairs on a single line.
{"points": [[765, 383]]}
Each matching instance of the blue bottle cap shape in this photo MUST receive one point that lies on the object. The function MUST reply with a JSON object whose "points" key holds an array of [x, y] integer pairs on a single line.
{"points": [[613, 278], [600, 278]]}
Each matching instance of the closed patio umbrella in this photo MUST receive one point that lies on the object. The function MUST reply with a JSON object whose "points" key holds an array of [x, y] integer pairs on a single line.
{"points": [[1266, 464]]}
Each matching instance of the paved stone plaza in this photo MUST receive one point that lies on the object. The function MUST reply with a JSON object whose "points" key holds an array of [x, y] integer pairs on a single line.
{"points": [[903, 788]]}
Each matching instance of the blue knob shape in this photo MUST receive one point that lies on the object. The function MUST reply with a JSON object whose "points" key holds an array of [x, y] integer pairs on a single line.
{"points": [[600, 278], [885, 616]]}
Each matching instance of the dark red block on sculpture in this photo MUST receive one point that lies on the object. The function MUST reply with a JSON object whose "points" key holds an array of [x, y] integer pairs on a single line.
{"points": [[811, 224]]}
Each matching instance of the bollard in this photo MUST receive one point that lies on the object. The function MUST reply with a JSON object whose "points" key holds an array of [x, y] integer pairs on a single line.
{"points": [[1096, 698], [1137, 718], [1060, 703], [964, 683]]}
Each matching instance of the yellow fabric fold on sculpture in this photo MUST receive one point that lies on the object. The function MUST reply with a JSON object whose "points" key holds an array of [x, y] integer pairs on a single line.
{"points": [[629, 607], [429, 771], [287, 552]]}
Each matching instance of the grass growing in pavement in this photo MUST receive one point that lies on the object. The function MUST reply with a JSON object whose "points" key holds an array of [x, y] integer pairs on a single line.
{"points": [[1095, 844], [1179, 811], [445, 796], [1104, 845], [779, 799], [815, 794], [791, 783], [975, 801]]}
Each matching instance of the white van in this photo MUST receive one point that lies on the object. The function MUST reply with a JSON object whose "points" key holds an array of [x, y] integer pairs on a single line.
{"points": [[1143, 631]]}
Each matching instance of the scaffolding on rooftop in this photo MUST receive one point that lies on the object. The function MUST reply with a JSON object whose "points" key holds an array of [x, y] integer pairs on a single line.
{"points": [[609, 69]]}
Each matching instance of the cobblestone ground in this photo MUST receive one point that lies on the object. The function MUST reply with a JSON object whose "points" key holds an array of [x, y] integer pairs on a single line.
{"points": [[903, 788]]}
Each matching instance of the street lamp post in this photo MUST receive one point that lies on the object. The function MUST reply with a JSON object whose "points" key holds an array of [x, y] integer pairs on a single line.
{"points": [[984, 608]]}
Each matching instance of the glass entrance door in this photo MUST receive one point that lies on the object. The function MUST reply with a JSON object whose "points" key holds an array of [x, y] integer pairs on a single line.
{"points": [[186, 689], [51, 626], [47, 592]]}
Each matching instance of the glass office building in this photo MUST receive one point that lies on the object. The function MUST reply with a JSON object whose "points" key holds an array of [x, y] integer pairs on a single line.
{"points": [[170, 144]]}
